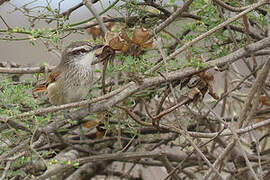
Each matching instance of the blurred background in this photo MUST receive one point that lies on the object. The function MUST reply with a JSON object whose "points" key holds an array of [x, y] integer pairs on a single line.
{"points": [[22, 52]]}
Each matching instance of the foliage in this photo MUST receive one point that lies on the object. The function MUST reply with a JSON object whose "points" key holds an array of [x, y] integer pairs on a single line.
{"points": [[170, 90]]}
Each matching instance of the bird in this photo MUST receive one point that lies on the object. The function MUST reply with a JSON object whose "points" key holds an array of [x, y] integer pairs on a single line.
{"points": [[71, 79]]}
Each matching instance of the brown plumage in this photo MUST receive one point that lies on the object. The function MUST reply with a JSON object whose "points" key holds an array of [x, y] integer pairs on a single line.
{"points": [[70, 81]]}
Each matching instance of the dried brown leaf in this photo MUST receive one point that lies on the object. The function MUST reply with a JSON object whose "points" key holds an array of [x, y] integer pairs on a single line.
{"points": [[94, 31], [140, 36], [108, 36], [147, 44], [124, 36], [116, 44]]}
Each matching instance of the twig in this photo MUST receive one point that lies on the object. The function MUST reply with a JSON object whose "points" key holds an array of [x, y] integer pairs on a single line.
{"points": [[169, 167], [86, 170], [119, 174], [189, 139], [90, 19], [16, 149], [17, 125], [173, 36], [231, 8], [6, 170], [103, 80], [32, 70], [220, 158], [237, 140], [211, 31], [110, 99], [157, 6], [264, 72], [226, 132], [8, 27], [153, 4], [3, 1], [246, 30], [252, 34], [167, 111], [99, 158], [114, 19], [91, 8], [63, 141], [181, 164], [257, 86], [161, 51], [170, 19], [133, 116], [231, 35], [26, 70], [70, 10]]}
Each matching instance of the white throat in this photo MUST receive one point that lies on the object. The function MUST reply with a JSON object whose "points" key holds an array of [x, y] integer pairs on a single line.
{"points": [[87, 59]]}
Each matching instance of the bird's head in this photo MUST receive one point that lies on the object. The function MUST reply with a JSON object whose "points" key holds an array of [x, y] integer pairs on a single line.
{"points": [[81, 52]]}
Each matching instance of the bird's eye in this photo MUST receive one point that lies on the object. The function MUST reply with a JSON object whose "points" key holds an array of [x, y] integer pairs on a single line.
{"points": [[79, 51]]}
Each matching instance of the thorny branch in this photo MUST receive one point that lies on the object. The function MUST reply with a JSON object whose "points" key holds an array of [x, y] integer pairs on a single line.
{"points": [[209, 144]]}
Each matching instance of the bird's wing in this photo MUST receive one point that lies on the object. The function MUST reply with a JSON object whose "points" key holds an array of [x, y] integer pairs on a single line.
{"points": [[43, 86]]}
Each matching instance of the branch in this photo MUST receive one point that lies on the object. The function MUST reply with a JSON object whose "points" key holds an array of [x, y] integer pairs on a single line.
{"points": [[169, 167], [170, 19], [231, 8], [70, 10], [90, 19], [204, 35], [5, 170], [88, 170], [119, 174], [153, 4], [27, 70], [220, 158], [131, 19], [246, 113], [91, 8], [106, 101], [32, 70], [3, 1], [98, 158], [8, 27], [237, 9]]}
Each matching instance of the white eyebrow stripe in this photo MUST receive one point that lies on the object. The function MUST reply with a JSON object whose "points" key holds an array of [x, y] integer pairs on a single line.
{"points": [[80, 47]]}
